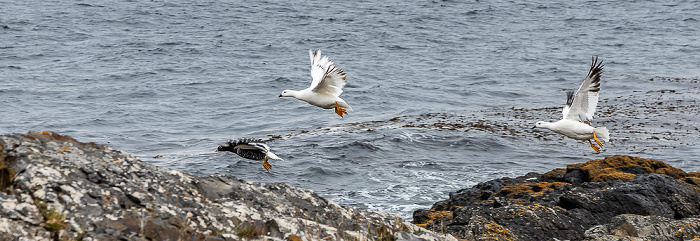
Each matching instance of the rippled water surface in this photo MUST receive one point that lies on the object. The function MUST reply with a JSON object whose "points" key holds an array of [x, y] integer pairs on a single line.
{"points": [[444, 92]]}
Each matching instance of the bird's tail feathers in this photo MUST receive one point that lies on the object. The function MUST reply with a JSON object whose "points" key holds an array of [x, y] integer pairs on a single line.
{"points": [[344, 105], [602, 133]]}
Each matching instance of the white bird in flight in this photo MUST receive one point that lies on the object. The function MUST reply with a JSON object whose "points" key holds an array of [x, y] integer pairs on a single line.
{"points": [[327, 83], [579, 110]]}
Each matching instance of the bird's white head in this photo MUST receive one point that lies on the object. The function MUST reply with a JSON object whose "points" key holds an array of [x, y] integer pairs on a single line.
{"points": [[288, 93], [540, 124]]}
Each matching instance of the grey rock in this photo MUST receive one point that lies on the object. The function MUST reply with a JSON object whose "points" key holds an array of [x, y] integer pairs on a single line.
{"points": [[60, 188]]}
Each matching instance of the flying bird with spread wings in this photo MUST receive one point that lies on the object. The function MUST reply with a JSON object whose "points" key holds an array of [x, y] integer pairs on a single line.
{"points": [[327, 82], [579, 110], [253, 149]]}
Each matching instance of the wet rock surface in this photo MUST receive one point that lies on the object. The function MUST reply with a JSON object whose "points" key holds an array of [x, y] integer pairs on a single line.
{"points": [[54, 187], [619, 196]]}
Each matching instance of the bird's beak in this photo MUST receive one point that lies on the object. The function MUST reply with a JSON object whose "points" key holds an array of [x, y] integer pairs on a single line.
{"points": [[534, 127], [280, 95], [216, 150]]}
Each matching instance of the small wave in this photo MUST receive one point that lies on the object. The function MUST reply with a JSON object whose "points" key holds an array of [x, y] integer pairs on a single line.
{"points": [[419, 164], [362, 145], [397, 47], [173, 43], [196, 83], [283, 80], [314, 171], [409, 137], [472, 12], [575, 19], [87, 5]]}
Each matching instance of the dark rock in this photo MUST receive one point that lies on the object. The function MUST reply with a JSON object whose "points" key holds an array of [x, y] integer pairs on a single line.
{"points": [[56, 188], [564, 203]]}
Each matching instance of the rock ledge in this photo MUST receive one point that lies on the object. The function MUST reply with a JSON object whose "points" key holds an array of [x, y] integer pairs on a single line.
{"points": [[615, 198], [54, 187]]}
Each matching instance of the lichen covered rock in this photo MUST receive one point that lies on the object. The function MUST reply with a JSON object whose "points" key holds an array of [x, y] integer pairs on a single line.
{"points": [[57, 188], [643, 228], [564, 203]]}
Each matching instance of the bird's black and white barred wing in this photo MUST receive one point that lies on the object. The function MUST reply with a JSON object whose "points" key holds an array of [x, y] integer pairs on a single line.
{"points": [[581, 105], [326, 78], [254, 149]]}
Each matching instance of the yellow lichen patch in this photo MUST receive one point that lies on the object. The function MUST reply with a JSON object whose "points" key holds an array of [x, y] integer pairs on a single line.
{"points": [[554, 173], [534, 190], [536, 206], [293, 237], [619, 168], [497, 232], [447, 215], [607, 174], [671, 171], [688, 231], [692, 180], [151, 211]]}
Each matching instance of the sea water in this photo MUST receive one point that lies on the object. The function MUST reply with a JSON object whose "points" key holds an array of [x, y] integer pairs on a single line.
{"points": [[444, 92]]}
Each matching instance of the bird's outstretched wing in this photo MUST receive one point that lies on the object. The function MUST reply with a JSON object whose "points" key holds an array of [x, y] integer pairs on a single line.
{"points": [[326, 78], [581, 106]]}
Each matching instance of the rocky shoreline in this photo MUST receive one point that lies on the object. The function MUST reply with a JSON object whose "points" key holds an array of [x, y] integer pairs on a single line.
{"points": [[54, 187], [615, 198]]}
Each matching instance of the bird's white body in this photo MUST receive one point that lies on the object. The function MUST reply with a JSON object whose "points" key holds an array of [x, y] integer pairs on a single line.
{"points": [[327, 82], [570, 128], [325, 101]]}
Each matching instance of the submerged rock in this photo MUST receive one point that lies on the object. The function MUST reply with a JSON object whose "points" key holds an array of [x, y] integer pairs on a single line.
{"points": [[53, 187], [596, 199]]}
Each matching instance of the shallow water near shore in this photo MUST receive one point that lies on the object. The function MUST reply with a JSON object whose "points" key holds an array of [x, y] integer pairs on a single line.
{"points": [[444, 92]]}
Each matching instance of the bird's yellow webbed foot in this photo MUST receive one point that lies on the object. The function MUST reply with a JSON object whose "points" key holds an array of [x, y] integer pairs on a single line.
{"points": [[266, 165], [339, 111], [597, 149], [596, 140]]}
